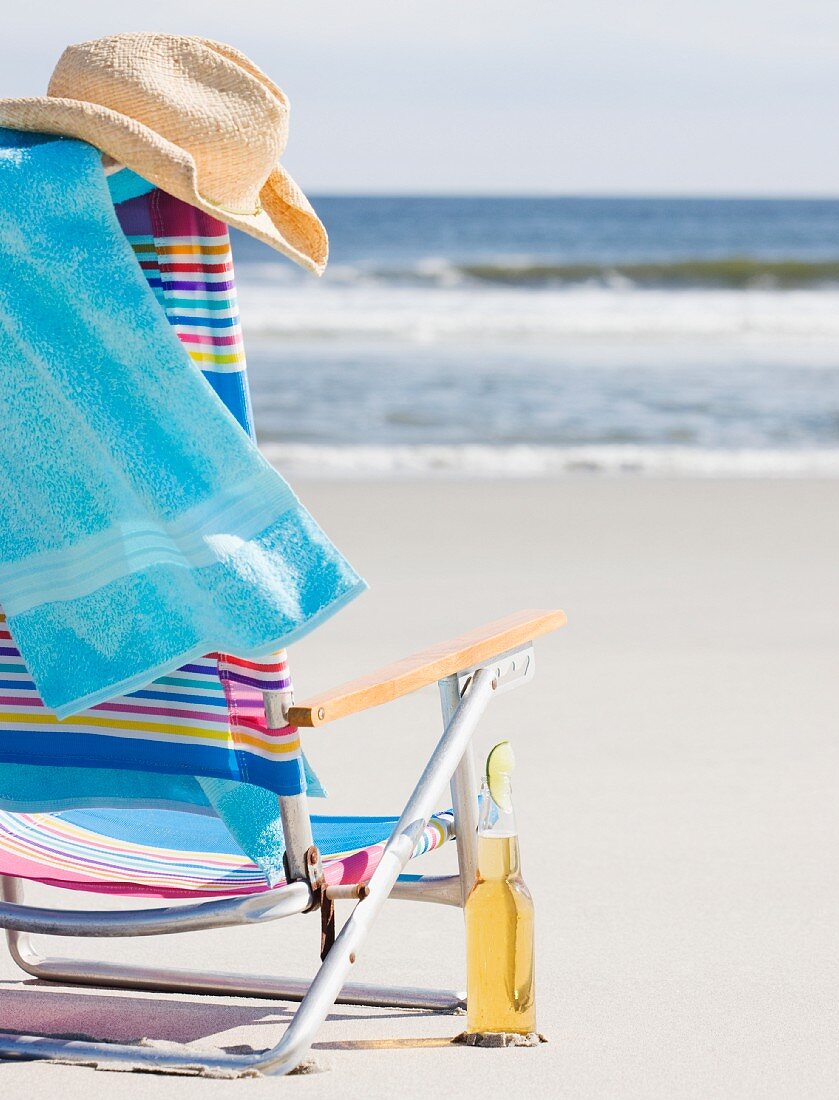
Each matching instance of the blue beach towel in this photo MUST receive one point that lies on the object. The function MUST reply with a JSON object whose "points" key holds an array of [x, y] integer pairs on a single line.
{"points": [[140, 527]]}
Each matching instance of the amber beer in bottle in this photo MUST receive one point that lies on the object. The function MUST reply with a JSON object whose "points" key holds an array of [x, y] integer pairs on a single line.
{"points": [[499, 927]]}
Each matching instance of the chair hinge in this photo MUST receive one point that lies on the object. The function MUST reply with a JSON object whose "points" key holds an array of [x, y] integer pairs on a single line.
{"points": [[509, 670], [321, 900]]}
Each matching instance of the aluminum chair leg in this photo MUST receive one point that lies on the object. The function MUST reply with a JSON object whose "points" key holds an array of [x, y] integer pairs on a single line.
{"points": [[330, 979], [294, 809], [464, 790]]}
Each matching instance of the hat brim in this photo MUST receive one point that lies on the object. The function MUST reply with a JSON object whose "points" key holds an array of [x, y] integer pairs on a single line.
{"points": [[284, 219]]}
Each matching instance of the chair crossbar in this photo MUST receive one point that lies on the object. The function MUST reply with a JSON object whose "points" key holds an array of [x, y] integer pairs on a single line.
{"points": [[291, 899], [89, 972]]}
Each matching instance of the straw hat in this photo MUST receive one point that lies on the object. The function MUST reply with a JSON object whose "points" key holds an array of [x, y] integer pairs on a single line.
{"points": [[196, 118]]}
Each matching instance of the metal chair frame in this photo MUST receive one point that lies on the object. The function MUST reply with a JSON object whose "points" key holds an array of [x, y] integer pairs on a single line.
{"points": [[464, 697]]}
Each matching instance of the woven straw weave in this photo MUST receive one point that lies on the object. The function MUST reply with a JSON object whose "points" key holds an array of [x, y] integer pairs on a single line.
{"points": [[197, 118]]}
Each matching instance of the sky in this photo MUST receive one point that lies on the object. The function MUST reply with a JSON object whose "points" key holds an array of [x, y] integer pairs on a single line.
{"points": [[658, 97]]}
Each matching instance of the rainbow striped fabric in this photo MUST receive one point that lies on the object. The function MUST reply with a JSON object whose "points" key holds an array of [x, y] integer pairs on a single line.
{"points": [[208, 717], [147, 854], [187, 260]]}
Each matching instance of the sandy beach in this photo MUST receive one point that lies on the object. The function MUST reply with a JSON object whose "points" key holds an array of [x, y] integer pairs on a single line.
{"points": [[675, 793]]}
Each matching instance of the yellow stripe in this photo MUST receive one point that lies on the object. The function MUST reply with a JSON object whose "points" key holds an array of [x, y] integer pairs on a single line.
{"points": [[275, 748], [114, 723], [283, 748], [209, 357], [193, 249]]}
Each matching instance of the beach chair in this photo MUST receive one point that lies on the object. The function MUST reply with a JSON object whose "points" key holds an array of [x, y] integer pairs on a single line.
{"points": [[326, 859], [135, 848]]}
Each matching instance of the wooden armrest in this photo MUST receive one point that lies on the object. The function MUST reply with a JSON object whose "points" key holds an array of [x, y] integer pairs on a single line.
{"points": [[424, 668]]}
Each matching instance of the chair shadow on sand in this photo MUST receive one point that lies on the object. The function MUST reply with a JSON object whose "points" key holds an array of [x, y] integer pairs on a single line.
{"points": [[34, 1008]]}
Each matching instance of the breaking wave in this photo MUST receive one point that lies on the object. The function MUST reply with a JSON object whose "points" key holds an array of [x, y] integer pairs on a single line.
{"points": [[735, 272], [731, 272]]}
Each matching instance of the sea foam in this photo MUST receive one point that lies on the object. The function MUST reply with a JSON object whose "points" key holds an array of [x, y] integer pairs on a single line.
{"points": [[523, 462], [492, 313]]}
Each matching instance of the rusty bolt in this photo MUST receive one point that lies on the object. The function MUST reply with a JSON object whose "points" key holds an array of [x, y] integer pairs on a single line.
{"points": [[352, 956], [313, 856]]}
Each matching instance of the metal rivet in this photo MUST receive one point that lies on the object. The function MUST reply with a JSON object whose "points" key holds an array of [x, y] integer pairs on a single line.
{"points": [[321, 713]]}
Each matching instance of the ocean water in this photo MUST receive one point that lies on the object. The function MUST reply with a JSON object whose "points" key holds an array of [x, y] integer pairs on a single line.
{"points": [[536, 337]]}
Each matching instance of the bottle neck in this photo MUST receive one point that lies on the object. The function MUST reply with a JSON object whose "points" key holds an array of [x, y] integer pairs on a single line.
{"points": [[494, 817], [498, 842]]}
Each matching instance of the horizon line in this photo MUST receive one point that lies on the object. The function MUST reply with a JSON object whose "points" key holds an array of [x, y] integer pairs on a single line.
{"points": [[654, 196]]}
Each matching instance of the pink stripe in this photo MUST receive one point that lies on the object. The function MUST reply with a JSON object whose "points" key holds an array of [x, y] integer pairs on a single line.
{"points": [[20, 700], [355, 868], [209, 268], [260, 726], [199, 338], [279, 665]]}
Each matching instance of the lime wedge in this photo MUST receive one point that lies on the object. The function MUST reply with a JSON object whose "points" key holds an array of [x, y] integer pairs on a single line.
{"points": [[500, 764]]}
